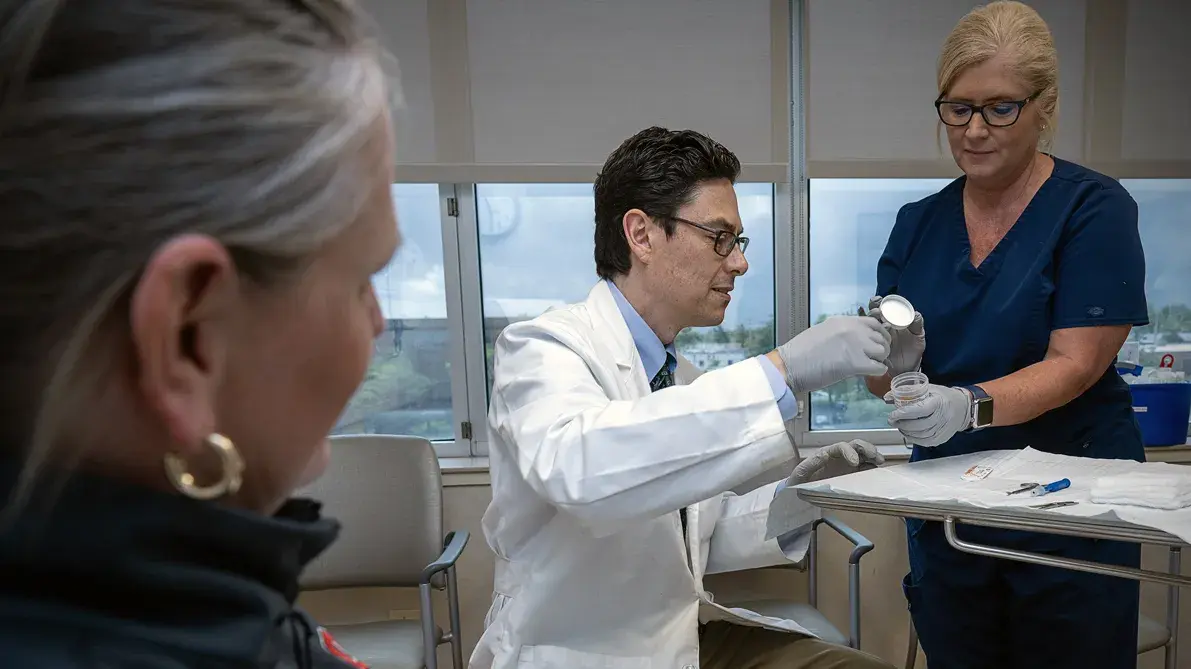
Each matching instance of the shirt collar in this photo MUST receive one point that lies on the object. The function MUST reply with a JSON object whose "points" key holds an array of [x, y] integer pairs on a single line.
{"points": [[649, 346]]}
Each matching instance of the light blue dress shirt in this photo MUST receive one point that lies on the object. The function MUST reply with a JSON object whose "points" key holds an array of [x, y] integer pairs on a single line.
{"points": [[653, 355]]}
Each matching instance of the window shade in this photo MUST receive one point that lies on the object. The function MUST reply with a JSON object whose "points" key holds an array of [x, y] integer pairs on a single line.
{"points": [[871, 79], [566, 81]]}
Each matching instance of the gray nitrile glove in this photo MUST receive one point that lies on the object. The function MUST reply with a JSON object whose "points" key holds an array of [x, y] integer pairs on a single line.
{"points": [[906, 346], [935, 418], [839, 348], [835, 460]]}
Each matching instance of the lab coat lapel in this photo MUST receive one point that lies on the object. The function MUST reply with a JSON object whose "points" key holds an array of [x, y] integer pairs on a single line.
{"points": [[609, 322]]}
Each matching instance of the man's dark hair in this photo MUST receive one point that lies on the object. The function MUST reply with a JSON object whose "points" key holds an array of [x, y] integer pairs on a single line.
{"points": [[657, 171]]}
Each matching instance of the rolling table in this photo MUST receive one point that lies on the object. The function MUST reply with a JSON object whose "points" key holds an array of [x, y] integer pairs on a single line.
{"points": [[954, 514]]}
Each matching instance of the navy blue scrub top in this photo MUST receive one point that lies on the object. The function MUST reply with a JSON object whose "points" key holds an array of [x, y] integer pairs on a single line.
{"points": [[1073, 259]]}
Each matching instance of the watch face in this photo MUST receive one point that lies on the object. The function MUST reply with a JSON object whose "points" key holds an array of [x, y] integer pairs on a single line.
{"points": [[984, 412]]}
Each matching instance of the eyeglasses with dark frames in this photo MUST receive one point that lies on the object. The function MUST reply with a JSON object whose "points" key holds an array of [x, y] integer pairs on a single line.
{"points": [[1000, 114], [724, 241]]}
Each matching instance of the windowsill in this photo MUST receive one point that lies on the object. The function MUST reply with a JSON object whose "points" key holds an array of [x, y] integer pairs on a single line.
{"points": [[463, 465], [473, 471], [462, 472]]}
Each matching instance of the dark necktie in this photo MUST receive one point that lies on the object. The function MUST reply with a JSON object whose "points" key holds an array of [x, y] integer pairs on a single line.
{"points": [[664, 379]]}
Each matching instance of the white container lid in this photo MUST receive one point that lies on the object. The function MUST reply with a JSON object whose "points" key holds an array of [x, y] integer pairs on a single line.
{"points": [[897, 311]]}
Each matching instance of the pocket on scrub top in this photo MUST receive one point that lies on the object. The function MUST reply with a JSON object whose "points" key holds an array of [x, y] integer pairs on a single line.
{"points": [[911, 590], [556, 657]]}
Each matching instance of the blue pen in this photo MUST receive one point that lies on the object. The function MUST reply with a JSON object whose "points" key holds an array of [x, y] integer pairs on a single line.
{"points": [[1061, 484]]}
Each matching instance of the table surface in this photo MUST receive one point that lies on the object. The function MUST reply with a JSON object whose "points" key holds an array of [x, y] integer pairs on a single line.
{"points": [[1033, 520]]}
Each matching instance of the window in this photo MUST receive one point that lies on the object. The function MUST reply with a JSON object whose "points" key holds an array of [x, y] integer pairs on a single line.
{"points": [[536, 246], [850, 221], [1164, 214], [407, 389]]}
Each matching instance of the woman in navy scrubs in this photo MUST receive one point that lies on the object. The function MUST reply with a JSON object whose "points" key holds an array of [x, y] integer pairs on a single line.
{"points": [[1029, 272]]}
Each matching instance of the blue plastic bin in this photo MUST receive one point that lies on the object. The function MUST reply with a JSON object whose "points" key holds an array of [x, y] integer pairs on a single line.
{"points": [[1162, 411]]}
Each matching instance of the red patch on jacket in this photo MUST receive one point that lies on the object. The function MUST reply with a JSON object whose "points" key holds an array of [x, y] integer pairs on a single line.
{"points": [[332, 646]]}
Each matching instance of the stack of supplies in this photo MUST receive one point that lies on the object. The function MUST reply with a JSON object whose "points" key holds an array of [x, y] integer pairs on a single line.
{"points": [[1155, 490]]}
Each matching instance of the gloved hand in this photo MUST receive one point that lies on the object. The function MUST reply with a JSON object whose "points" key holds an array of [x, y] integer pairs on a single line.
{"points": [[836, 349], [935, 418], [835, 460], [906, 346]]}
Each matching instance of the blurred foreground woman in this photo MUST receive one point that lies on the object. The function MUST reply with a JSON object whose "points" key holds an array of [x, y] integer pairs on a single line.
{"points": [[194, 196]]}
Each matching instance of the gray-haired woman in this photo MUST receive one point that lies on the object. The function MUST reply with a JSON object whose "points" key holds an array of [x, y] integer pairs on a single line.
{"points": [[193, 197]]}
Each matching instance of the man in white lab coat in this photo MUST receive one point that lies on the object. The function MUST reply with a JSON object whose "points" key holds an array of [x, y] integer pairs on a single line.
{"points": [[611, 455]]}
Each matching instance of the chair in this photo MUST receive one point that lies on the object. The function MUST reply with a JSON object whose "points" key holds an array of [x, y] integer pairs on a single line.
{"points": [[807, 614], [387, 493], [1151, 634]]}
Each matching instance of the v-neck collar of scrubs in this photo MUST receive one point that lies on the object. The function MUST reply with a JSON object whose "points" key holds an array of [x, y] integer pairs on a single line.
{"points": [[992, 262]]}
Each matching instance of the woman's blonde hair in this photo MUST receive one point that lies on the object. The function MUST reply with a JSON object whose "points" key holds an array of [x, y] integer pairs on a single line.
{"points": [[1015, 30], [125, 123]]}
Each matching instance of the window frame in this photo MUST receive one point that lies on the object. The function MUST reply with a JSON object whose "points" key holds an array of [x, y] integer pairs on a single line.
{"points": [[791, 235], [456, 295], [469, 294], [471, 321], [793, 240], [806, 436]]}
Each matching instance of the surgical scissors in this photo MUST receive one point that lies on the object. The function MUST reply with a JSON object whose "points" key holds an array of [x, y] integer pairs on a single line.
{"points": [[1024, 487], [1054, 505]]}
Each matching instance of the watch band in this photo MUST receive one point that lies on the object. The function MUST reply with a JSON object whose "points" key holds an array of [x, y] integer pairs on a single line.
{"points": [[977, 392]]}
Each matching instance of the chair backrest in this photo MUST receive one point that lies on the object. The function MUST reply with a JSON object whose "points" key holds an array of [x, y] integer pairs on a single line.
{"points": [[386, 491]]}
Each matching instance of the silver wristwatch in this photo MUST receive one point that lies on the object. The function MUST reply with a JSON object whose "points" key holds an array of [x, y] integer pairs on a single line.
{"points": [[982, 408]]}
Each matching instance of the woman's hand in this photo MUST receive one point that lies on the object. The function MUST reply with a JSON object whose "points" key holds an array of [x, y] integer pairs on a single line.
{"points": [[907, 346], [935, 418]]}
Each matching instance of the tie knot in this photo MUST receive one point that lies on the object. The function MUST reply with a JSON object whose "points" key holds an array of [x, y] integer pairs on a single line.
{"points": [[664, 378]]}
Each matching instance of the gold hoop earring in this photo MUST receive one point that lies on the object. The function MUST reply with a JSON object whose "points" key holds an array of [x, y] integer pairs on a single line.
{"points": [[229, 482]]}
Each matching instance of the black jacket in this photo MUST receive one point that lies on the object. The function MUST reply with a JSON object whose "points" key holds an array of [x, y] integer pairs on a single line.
{"points": [[109, 576]]}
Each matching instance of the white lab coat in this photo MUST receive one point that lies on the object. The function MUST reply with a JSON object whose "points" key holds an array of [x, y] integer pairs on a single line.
{"points": [[588, 468]]}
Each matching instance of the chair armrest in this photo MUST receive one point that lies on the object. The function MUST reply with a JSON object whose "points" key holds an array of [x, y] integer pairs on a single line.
{"points": [[454, 545], [859, 541], [861, 545]]}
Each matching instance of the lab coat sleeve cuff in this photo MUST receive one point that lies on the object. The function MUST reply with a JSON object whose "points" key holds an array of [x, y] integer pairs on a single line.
{"points": [[794, 544], [787, 404]]}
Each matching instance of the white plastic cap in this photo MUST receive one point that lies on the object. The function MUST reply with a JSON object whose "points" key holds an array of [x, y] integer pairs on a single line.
{"points": [[897, 311]]}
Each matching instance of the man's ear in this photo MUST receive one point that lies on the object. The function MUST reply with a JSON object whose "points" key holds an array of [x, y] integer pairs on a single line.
{"points": [[180, 328], [637, 231]]}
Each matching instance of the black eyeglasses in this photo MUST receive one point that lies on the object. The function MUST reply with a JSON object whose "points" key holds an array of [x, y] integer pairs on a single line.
{"points": [[724, 241], [996, 114]]}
